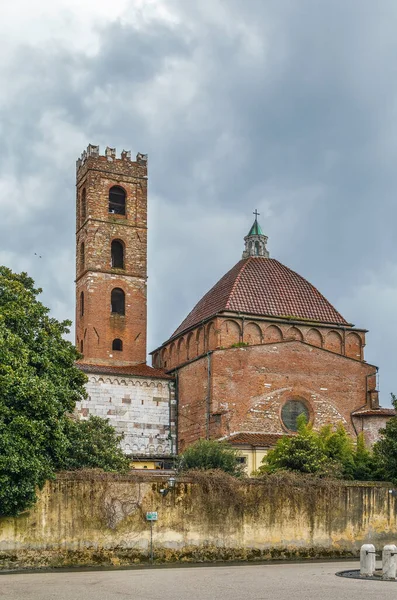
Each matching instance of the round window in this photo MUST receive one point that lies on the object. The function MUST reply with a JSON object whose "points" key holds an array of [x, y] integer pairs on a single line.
{"points": [[290, 413]]}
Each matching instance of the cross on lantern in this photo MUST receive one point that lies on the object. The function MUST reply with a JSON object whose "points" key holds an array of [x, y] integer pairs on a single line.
{"points": [[256, 213]]}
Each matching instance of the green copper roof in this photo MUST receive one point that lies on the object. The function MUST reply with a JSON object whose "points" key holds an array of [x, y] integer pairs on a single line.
{"points": [[256, 229]]}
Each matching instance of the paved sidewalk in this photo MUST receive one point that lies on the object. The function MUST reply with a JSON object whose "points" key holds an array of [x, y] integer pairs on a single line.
{"points": [[307, 581]]}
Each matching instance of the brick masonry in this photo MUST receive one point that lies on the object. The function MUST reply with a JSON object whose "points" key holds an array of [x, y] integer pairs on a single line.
{"points": [[96, 228], [244, 389], [223, 331], [142, 408]]}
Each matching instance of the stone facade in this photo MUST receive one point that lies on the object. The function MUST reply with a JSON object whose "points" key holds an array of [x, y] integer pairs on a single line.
{"points": [[143, 409]]}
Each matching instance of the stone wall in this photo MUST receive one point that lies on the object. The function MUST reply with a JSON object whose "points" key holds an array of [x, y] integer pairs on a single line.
{"points": [[94, 519], [142, 409]]}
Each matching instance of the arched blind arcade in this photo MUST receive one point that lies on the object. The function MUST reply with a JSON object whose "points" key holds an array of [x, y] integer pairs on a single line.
{"points": [[117, 255], [118, 301], [117, 200]]}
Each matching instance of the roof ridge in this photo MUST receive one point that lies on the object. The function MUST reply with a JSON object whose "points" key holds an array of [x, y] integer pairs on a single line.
{"points": [[313, 287], [236, 281]]}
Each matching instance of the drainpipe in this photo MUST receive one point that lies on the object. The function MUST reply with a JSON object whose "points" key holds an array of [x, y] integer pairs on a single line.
{"points": [[366, 381], [208, 399]]}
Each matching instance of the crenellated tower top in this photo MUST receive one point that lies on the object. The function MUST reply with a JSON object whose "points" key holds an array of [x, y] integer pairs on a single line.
{"points": [[109, 158]]}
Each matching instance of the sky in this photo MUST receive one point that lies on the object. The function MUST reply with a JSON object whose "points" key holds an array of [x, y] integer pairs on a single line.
{"points": [[285, 106]]}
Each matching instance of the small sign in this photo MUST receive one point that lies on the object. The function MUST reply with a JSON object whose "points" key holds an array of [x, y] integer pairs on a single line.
{"points": [[151, 516]]}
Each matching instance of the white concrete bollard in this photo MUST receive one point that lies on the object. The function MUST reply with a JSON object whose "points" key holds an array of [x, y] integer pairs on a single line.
{"points": [[367, 560], [389, 562]]}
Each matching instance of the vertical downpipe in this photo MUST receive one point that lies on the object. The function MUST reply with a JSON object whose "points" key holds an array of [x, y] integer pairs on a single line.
{"points": [[208, 399]]}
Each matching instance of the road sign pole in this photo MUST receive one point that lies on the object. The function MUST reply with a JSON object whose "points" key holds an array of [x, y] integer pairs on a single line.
{"points": [[151, 542]]}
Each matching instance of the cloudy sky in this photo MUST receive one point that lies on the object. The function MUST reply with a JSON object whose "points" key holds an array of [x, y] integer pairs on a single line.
{"points": [[287, 106]]}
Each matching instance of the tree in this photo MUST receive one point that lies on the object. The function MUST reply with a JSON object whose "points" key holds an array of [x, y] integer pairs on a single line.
{"points": [[39, 387], [364, 462], [92, 444], [301, 452], [385, 450], [210, 454], [39, 383], [327, 452]]}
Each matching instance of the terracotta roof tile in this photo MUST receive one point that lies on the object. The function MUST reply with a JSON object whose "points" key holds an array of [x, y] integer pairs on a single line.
{"points": [[255, 439], [141, 370], [264, 286], [375, 412]]}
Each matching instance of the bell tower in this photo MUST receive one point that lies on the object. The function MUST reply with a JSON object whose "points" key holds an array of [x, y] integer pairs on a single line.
{"points": [[111, 257]]}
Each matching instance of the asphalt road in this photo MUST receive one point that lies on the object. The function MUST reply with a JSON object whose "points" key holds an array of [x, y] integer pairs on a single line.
{"points": [[307, 581]]}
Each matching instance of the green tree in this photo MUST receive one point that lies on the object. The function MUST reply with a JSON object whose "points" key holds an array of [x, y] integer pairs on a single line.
{"points": [[385, 450], [39, 388], [328, 452], [302, 452], [39, 383], [208, 455], [92, 444], [365, 467]]}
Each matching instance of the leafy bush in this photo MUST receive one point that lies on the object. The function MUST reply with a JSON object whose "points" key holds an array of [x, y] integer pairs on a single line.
{"points": [[92, 444], [326, 453], [210, 455]]}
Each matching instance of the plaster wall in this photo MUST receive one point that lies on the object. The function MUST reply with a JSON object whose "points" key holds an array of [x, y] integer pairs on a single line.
{"points": [[101, 520]]}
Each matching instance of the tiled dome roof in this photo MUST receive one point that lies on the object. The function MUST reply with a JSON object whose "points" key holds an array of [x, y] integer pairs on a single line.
{"points": [[264, 286]]}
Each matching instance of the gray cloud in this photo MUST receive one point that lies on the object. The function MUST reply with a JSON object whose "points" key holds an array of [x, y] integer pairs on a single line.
{"points": [[282, 106]]}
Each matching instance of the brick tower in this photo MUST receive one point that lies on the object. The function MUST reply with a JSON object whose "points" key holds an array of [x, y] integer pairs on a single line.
{"points": [[111, 257]]}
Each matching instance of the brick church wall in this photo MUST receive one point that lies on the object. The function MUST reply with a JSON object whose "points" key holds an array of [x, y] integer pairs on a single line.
{"points": [[226, 331], [249, 385]]}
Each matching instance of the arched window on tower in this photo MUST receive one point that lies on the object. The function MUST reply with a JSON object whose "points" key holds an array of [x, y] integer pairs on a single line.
{"points": [[117, 200], [82, 256], [117, 345], [83, 204], [81, 304], [81, 347], [256, 248], [118, 301], [117, 254]]}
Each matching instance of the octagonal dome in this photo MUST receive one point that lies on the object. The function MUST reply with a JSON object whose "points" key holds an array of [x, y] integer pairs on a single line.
{"points": [[264, 287]]}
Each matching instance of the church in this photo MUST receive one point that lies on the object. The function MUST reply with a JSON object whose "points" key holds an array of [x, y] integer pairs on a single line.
{"points": [[260, 348]]}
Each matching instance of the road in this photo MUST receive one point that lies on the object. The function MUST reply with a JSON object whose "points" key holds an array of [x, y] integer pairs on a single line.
{"points": [[307, 581]]}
